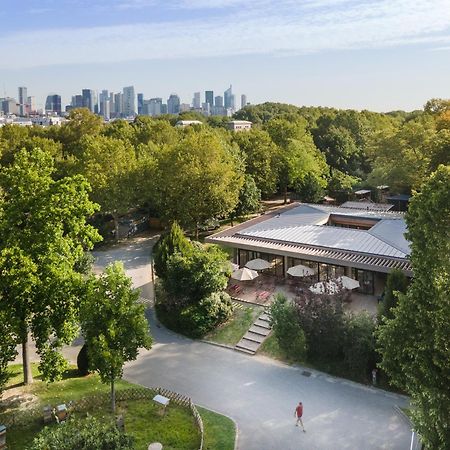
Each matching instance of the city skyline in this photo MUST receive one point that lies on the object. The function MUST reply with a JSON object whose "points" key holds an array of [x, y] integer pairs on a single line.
{"points": [[363, 54]]}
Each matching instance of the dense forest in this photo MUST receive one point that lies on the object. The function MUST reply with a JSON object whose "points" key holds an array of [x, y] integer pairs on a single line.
{"points": [[201, 172]]}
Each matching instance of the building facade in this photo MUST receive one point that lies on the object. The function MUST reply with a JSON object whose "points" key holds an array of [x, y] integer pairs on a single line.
{"points": [[362, 244]]}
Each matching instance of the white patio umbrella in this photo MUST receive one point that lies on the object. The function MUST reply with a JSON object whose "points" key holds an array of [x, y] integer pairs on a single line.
{"points": [[258, 264], [300, 271], [244, 274], [324, 287], [347, 282]]}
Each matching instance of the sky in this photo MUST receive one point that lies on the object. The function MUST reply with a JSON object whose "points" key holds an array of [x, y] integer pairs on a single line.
{"points": [[380, 55]]}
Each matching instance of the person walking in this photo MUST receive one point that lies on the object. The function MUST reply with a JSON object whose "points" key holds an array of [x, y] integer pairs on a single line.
{"points": [[299, 413]]}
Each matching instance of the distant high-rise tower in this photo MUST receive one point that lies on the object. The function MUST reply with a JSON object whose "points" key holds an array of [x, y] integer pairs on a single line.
{"points": [[105, 105], [243, 100], [53, 104], [173, 104], [118, 104], [218, 101], [89, 99], [228, 98], [23, 98], [209, 98], [31, 105], [129, 101], [196, 102], [155, 107], [140, 104]]}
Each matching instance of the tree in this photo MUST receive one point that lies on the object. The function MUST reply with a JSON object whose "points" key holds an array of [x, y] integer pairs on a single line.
{"points": [[81, 123], [199, 178], [437, 105], [396, 283], [249, 198], [86, 434], [113, 324], [44, 237], [415, 343], [261, 158], [359, 343], [195, 276], [168, 245], [109, 165], [287, 329]]}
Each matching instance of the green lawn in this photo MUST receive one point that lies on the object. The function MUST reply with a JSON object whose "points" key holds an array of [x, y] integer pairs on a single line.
{"points": [[219, 430], [231, 332], [176, 429]]}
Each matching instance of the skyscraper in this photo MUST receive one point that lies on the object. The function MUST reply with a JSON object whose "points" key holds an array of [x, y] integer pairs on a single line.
{"points": [[219, 101], [209, 98], [155, 107], [118, 104], [31, 104], [89, 99], [105, 106], [173, 104], [53, 104], [129, 101], [228, 97], [243, 100], [23, 98], [140, 104], [196, 102]]}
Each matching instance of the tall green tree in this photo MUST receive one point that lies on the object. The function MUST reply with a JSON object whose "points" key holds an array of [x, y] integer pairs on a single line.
{"points": [[109, 165], [415, 344], [113, 325], [262, 158], [44, 237], [169, 244], [249, 198], [199, 178]]}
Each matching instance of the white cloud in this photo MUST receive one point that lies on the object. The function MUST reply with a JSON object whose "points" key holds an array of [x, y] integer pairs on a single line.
{"points": [[263, 27]]}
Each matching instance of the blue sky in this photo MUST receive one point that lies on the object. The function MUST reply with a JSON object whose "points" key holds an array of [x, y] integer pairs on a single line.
{"points": [[365, 54]]}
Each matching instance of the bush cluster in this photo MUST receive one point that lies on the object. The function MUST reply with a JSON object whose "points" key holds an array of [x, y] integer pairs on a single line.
{"points": [[190, 293], [87, 434], [315, 328]]}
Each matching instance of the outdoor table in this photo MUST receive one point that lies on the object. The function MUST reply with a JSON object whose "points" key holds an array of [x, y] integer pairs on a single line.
{"points": [[164, 401]]}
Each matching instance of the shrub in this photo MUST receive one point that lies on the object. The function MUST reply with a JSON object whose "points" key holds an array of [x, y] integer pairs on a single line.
{"points": [[286, 328], [396, 282], [86, 434], [321, 318], [83, 361], [359, 343]]}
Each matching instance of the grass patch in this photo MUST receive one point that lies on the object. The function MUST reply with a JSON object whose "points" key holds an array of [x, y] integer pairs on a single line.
{"points": [[220, 431], [231, 332], [176, 430]]}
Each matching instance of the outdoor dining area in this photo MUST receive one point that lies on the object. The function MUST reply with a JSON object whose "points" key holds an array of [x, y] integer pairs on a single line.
{"points": [[256, 283]]}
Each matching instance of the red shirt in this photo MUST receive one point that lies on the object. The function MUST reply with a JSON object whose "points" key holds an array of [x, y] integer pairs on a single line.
{"points": [[299, 410]]}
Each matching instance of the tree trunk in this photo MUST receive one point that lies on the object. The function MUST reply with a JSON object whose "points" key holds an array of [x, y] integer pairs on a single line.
{"points": [[285, 194], [27, 374], [113, 397], [196, 231]]}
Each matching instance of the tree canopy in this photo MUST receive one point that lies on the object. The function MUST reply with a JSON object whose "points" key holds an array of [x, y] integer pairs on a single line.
{"points": [[415, 343]]}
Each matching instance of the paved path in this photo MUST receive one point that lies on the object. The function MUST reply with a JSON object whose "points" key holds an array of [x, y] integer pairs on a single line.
{"points": [[259, 393]]}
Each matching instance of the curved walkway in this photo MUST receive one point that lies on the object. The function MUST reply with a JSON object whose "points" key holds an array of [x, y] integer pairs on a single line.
{"points": [[259, 393]]}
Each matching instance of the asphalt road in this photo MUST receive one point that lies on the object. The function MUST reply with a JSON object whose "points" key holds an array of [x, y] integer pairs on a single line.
{"points": [[258, 393]]}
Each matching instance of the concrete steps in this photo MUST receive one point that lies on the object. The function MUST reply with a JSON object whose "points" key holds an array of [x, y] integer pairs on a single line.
{"points": [[255, 336]]}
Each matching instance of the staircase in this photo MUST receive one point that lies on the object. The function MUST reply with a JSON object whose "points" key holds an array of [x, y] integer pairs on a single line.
{"points": [[255, 336]]}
